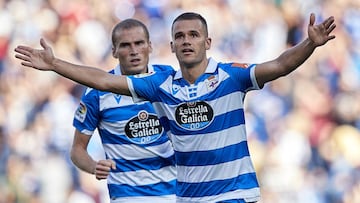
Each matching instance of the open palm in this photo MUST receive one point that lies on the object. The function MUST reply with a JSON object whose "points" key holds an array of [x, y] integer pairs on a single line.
{"points": [[36, 58], [320, 34]]}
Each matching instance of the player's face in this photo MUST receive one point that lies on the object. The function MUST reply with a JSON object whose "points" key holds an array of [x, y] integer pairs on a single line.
{"points": [[132, 49], [190, 42]]}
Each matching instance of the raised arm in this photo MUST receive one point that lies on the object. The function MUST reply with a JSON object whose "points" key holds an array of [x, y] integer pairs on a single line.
{"points": [[292, 58], [44, 59]]}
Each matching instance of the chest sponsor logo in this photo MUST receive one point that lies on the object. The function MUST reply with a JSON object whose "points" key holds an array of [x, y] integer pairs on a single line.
{"points": [[144, 128], [194, 115]]}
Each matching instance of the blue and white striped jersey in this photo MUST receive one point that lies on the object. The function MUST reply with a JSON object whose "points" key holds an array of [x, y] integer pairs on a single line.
{"points": [[206, 124], [132, 136]]}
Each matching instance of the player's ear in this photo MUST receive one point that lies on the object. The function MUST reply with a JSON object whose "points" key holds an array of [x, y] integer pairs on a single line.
{"points": [[172, 47], [150, 47], [208, 43], [114, 52]]}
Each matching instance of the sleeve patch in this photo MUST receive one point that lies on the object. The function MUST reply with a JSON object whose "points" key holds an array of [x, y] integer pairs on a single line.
{"points": [[81, 112], [240, 65]]}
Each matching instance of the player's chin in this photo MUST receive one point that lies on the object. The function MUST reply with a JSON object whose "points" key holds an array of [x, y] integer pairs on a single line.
{"points": [[141, 68]]}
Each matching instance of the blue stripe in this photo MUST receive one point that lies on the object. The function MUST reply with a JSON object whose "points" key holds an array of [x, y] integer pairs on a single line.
{"points": [[220, 122], [245, 181], [122, 113], [211, 157], [234, 201], [108, 138], [155, 163], [158, 189]]}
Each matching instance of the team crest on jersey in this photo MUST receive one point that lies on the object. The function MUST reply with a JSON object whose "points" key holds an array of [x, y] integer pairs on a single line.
{"points": [[194, 115], [211, 82], [144, 128], [240, 65], [142, 75], [81, 111]]}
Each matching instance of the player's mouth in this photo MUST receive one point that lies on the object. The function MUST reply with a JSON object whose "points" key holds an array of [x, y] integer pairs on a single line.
{"points": [[187, 51], [135, 61]]}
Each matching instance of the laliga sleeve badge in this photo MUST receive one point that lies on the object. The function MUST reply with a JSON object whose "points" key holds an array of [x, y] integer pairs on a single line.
{"points": [[81, 111]]}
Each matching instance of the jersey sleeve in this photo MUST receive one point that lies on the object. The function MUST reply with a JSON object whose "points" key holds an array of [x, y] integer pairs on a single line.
{"points": [[86, 116], [145, 87], [246, 74]]}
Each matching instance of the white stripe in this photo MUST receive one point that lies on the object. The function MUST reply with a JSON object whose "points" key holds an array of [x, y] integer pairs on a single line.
{"points": [[134, 96], [210, 141], [155, 199], [227, 170], [143, 177], [134, 152], [87, 132], [108, 101], [115, 128], [250, 195]]}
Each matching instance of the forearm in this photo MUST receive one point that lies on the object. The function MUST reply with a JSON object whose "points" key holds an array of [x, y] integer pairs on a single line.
{"points": [[295, 56], [83, 161], [91, 77]]}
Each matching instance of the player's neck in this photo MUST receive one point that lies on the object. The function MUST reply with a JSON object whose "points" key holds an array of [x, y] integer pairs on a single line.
{"points": [[193, 72]]}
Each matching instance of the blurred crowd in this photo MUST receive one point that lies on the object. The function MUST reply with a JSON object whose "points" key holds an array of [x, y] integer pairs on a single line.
{"points": [[304, 129]]}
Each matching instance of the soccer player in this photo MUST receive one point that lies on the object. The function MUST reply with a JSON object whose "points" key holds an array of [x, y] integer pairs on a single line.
{"points": [[140, 163], [200, 106]]}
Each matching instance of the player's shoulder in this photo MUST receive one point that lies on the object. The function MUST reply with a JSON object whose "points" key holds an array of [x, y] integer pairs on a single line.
{"points": [[235, 65], [162, 67]]}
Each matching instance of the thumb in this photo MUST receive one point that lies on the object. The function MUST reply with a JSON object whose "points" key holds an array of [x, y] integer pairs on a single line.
{"points": [[312, 19], [43, 43]]}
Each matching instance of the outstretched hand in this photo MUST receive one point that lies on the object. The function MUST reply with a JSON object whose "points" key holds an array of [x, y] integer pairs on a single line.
{"points": [[40, 59], [320, 34]]}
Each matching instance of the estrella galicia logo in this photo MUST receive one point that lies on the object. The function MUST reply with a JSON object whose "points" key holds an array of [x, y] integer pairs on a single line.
{"points": [[144, 128], [194, 115]]}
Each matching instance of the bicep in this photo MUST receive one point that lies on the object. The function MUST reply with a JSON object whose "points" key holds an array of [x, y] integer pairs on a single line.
{"points": [[267, 71], [116, 84]]}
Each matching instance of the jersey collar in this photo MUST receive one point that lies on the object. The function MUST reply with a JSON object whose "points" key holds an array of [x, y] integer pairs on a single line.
{"points": [[117, 70], [211, 68]]}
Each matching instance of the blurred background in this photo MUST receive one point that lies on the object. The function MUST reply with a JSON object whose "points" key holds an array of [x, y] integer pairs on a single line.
{"points": [[304, 129]]}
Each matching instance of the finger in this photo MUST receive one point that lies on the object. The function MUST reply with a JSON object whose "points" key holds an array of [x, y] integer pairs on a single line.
{"points": [[331, 28], [100, 177], [22, 50], [331, 37], [101, 172], [22, 57], [113, 164], [312, 19], [329, 22], [27, 64], [105, 163], [43, 43], [103, 168]]}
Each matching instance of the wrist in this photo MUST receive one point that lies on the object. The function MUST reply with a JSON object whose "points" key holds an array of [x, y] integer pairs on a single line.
{"points": [[310, 43], [54, 64]]}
